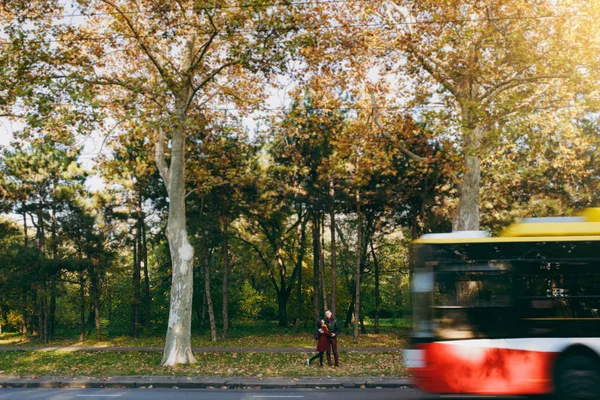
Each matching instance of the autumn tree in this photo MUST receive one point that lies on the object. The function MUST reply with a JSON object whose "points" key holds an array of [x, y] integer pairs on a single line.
{"points": [[159, 60], [487, 62]]}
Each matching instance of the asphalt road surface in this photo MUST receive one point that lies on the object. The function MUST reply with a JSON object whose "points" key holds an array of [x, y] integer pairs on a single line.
{"points": [[208, 394], [218, 394]]}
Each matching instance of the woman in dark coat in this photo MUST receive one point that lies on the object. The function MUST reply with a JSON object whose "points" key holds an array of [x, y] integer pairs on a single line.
{"points": [[322, 344]]}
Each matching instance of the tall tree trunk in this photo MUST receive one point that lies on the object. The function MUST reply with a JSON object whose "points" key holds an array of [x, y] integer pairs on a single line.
{"points": [[24, 226], [45, 305], [209, 303], [467, 213], [298, 322], [41, 292], [41, 330], [95, 286], [81, 306], [333, 247], [282, 300], [377, 294], [316, 268], [147, 302], [358, 268], [203, 316], [34, 320], [45, 313], [350, 311], [225, 256], [322, 265], [135, 288], [53, 280], [109, 301], [301, 246], [178, 345], [24, 319]]}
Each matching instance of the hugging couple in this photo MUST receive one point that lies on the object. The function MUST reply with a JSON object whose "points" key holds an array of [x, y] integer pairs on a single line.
{"points": [[326, 333]]}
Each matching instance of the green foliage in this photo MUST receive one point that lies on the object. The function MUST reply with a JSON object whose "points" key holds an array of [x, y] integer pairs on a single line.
{"points": [[251, 302]]}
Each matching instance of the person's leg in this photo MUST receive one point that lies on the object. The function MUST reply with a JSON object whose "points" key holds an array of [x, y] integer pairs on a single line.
{"points": [[310, 360], [335, 352], [329, 355], [321, 357]]}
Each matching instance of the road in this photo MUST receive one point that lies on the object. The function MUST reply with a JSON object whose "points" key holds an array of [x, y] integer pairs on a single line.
{"points": [[207, 394], [218, 394]]}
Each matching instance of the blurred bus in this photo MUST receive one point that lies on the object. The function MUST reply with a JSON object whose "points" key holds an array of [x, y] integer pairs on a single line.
{"points": [[516, 314]]}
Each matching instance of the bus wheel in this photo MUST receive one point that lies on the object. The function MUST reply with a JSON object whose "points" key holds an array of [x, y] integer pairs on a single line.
{"points": [[577, 378]]}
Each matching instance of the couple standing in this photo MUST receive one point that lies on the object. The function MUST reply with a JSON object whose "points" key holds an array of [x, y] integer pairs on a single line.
{"points": [[326, 333]]}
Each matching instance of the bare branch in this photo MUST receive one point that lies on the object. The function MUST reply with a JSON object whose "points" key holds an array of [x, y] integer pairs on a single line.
{"points": [[516, 82], [436, 68], [143, 45], [202, 51], [116, 82], [110, 133], [208, 78], [182, 9], [407, 152], [159, 157], [300, 220]]}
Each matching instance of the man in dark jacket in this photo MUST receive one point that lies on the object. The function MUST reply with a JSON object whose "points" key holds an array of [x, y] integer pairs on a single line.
{"points": [[334, 329]]}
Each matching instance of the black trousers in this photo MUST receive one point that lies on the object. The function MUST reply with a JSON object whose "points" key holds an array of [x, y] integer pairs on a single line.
{"points": [[319, 355]]}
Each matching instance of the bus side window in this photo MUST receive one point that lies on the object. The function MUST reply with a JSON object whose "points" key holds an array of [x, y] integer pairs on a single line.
{"points": [[561, 299], [474, 304]]}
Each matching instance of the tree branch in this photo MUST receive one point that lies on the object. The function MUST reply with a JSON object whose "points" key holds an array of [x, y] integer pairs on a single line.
{"points": [[430, 66], [435, 67], [202, 51], [210, 76], [143, 45], [116, 82], [293, 227], [516, 82], [407, 152]]}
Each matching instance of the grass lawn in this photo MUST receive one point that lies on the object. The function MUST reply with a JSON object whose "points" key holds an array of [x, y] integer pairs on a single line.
{"points": [[62, 363], [394, 333]]}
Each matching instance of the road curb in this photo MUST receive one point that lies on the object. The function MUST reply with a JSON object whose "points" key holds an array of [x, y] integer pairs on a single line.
{"points": [[131, 382]]}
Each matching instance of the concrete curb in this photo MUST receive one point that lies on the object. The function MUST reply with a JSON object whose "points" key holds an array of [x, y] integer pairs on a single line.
{"points": [[202, 382]]}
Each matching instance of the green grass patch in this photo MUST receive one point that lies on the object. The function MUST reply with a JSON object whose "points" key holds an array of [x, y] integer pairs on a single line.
{"points": [[98, 364]]}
